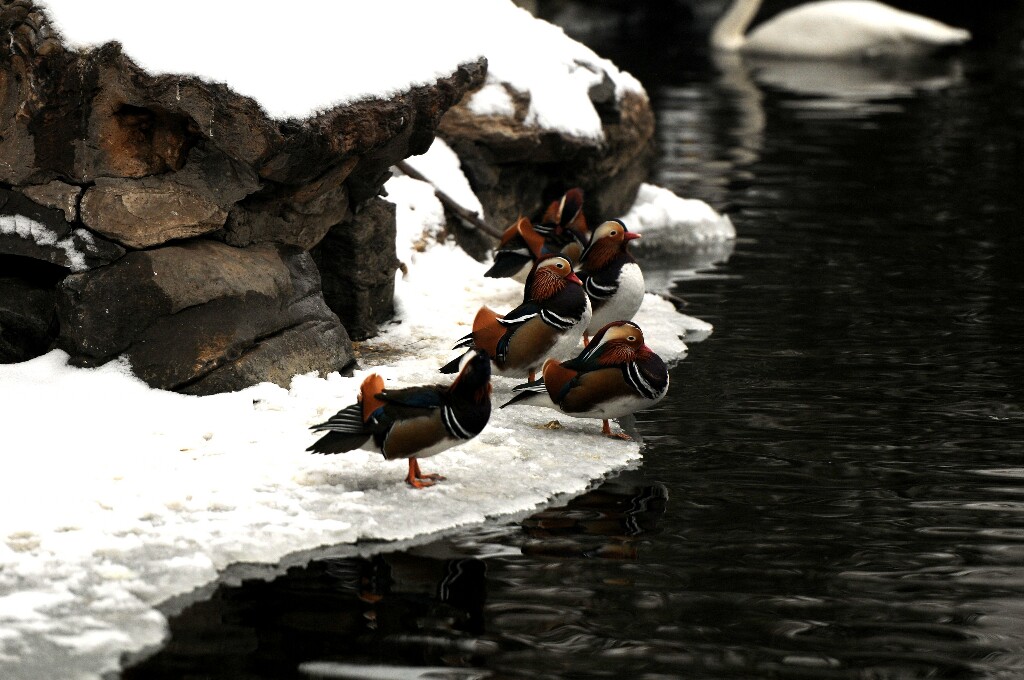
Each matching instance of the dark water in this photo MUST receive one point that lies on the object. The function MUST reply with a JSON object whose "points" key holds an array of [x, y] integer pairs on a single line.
{"points": [[834, 488]]}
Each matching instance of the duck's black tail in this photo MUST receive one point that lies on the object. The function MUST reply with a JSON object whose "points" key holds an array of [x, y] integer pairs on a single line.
{"points": [[345, 431], [453, 365], [533, 393], [508, 263], [338, 442]]}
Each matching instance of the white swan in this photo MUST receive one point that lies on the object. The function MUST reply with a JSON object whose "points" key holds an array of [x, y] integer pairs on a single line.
{"points": [[834, 29]]}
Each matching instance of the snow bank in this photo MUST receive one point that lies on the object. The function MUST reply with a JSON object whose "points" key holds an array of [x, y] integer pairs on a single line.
{"points": [[321, 53], [669, 222], [115, 497]]}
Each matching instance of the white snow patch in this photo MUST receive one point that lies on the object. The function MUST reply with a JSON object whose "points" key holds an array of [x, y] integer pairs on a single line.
{"points": [[28, 228], [492, 100], [668, 221], [376, 49]]}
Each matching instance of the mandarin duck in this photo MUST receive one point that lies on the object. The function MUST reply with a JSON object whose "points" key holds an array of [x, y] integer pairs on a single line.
{"points": [[564, 227], [611, 277], [413, 422], [614, 376], [550, 322], [517, 251], [562, 230]]}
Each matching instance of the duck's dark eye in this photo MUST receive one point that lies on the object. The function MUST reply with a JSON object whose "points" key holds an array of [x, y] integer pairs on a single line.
{"points": [[631, 338], [612, 232], [560, 265]]}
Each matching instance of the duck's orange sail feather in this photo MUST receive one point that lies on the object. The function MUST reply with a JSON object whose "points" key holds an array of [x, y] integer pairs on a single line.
{"points": [[534, 241], [556, 376], [487, 331], [371, 387]]}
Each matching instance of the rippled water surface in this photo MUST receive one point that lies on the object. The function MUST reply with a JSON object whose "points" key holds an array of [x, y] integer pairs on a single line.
{"points": [[834, 487]]}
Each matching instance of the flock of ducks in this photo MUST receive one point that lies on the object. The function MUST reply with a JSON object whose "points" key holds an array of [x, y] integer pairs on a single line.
{"points": [[579, 285], [585, 285]]}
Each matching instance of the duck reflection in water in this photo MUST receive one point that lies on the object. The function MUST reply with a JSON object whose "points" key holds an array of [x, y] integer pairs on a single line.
{"points": [[442, 593], [604, 523]]}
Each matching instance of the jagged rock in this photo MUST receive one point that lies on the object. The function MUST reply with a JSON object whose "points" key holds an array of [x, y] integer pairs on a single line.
{"points": [[204, 316], [148, 211], [21, 45], [308, 211], [361, 292], [56, 194], [99, 158], [304, 195], [28, 229], [121, 209], [517, 169]]}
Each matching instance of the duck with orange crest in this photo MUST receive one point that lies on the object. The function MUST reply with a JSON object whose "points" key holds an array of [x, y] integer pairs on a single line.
{"points": [[413, 422], [561, 231], [616, 375], [611, 276], [550, 322]]}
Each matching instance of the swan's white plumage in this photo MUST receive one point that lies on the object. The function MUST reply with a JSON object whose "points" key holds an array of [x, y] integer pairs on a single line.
{"points": [[837, 29]]}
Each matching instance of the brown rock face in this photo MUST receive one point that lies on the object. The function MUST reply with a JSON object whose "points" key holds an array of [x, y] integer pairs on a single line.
{"points": [[204, 314], [517, 169], [309, 211], [120, 209], [172, 218], [56, 194], [365, 290]]}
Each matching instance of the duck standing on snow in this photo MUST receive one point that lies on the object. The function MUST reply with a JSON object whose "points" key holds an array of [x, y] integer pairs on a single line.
{"points": [[414, 422], [550, 321], [611, 277], [615, 375], [562, 230], [834, 29]]}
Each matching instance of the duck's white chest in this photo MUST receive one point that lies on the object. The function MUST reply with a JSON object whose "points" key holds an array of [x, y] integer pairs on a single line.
{"points": [[624, 302], [568, 343]]}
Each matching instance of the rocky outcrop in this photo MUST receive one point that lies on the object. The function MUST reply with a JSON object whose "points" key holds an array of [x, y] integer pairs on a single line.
{"points": [[203, 316], [517, 168], [366, 290], [174, 218]]}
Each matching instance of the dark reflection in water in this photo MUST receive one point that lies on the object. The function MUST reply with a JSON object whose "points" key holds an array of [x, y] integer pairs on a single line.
{"points": [[834, 487]]}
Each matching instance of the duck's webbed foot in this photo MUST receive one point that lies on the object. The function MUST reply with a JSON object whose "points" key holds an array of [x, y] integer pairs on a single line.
{"points": [[417, 479]]}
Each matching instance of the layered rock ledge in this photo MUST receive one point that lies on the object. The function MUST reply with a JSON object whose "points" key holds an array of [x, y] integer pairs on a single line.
{"points": [[171, 220]]}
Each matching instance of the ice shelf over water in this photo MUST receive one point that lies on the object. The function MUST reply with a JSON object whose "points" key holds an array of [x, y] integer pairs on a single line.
{"points": [[115, 497]]}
